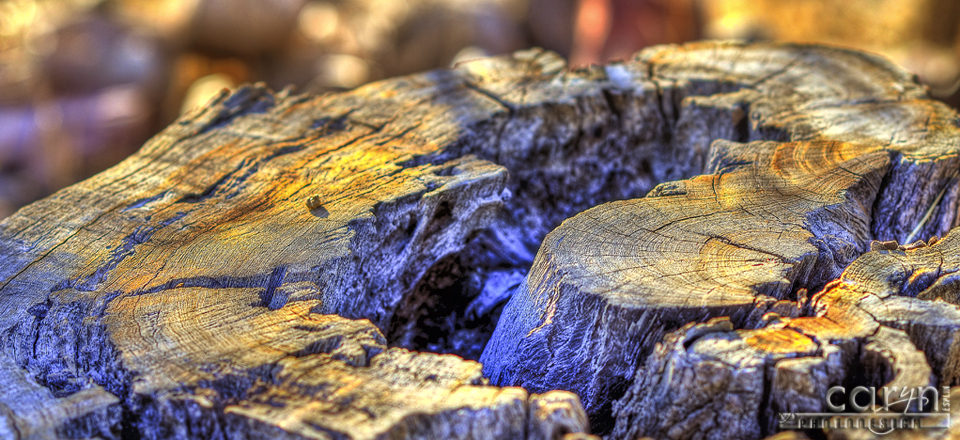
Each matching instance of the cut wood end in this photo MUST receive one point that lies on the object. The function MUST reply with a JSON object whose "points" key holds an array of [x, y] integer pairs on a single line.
{"points": [[191, 284]]}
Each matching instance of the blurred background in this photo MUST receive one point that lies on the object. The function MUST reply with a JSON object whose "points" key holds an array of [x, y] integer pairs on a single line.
{"points": [[84, 83]]}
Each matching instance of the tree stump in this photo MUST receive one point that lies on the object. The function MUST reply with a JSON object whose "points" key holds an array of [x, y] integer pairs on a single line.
{"points": [[333, 266]]}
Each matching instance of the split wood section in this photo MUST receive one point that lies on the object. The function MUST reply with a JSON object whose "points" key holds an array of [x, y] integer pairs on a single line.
{"points": [[841, 151], [291, 266]]}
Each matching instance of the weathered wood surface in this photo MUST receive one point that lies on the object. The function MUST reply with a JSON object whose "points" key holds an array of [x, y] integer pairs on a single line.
{"points": [[842, 150], [290, 266]]}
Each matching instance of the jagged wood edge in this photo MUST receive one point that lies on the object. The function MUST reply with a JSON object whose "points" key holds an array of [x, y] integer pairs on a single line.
{"points": [[610, 281], [196, 282]]}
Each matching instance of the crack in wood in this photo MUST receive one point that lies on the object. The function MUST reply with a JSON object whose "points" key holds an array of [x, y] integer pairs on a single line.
{"points": [[436, 201]]}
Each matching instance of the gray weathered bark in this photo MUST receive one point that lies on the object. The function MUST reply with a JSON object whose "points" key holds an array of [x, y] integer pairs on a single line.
{"points": [[293, 266], [834, 149]]}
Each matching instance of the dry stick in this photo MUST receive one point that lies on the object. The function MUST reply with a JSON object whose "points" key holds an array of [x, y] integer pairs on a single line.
{"points": [[936, 201]]}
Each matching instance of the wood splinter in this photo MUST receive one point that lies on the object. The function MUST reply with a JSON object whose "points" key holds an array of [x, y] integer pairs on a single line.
{"points": [[683, 314]]}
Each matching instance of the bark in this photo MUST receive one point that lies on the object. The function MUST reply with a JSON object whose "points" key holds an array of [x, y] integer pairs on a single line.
{"points": [[331, 266], [835, 149]]}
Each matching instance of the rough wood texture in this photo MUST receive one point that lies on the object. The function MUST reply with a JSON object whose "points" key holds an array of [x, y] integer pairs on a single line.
{"points": [[195, 285], [293, 266], [842, 150]]}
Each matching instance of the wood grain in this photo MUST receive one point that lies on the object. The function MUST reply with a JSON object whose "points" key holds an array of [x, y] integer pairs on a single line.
{"points": [[833, 150], [197, 287], [331, 266]]}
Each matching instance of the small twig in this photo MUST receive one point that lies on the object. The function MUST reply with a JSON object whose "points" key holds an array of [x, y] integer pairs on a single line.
{"points": [[936, 201]]}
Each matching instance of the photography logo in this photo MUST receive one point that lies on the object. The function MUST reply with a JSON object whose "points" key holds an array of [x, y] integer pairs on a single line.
{"points": [[901, 408]]}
